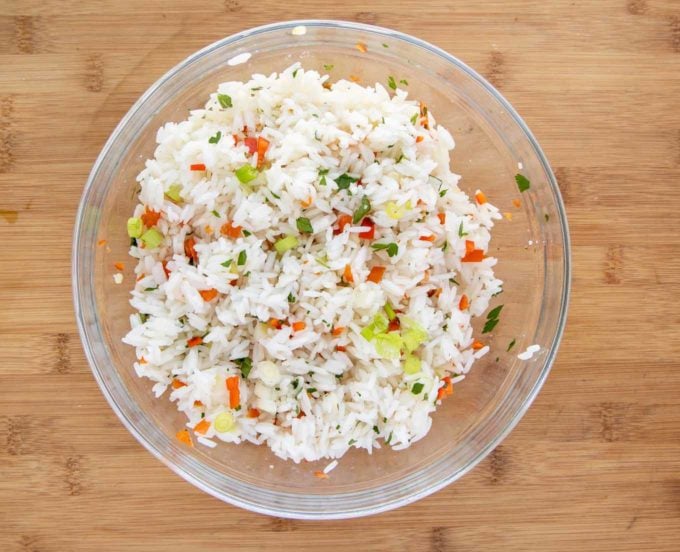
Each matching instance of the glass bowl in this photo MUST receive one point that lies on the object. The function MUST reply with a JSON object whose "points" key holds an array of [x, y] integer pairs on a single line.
{"points": [[492, 145]]}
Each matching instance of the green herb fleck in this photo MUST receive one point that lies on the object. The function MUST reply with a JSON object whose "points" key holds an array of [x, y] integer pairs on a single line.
{"points": [[291, 298], [490, 325], [151, 288], [391, 82], [216, 138], [242, 256], [442, 193], [246, 173], [295, 73], [445, 246], [511, 345], [493, 313], [389, 438], [351, 442], [391, 248], [522, 182], [225, 100], [245, 365], [454, 281], [276, 196], [461, 232], [226, 264], [404, 82], [216, 214], [385, 45], [304, 225], [143, 317], [547, 217], [328, 66], [344, 180], [363, 209], [247, 233], [375, 428], [311, 390], [417, 388]]}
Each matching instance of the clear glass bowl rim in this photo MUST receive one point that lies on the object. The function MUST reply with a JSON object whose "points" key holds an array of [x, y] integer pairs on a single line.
{"points": [[78, 279]]}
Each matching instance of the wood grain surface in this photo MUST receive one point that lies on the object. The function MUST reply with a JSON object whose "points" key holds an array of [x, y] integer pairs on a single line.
{"points": [[594, 465]]}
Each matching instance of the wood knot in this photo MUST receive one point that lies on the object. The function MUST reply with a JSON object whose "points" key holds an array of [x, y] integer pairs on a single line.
{"points": [[283, 525], [498, 463], [232, 5], [94, 73], [613, 264], [495, 69], [73, 475], [370, 18], [7, 138], [438, 539], [62, 363], [16, 429], [636, 7]]}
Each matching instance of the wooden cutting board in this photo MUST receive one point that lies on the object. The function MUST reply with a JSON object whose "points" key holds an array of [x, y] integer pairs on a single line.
{"points": [[594, 465]]}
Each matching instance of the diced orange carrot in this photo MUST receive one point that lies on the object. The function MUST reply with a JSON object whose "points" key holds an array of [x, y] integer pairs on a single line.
{"points": [[442, 218], [469, 246], [262, 146], [140, 277], [429, 238], [362, 47], [446, 390], [464, 302], [481, 198], [202, 427], [517, 203], [354, 78], [208, 229], [101, 243], [208, 294], [253, 413], [347, 274], [176, 384], [119, 266], [320, 475], [184, 437], [150, 218], [142, 360], [194, 341], [298, 326], [189, 250], [198, 404], [507, 215], [197, 167], [370, 233], [307, 202], [228, 229], [166, 269], [234, 391], [343, 220], [477, 345], [475, 256], [376, 274], [426, 277], [251, 144], [275, 323], [419, 139], [337, 330]]}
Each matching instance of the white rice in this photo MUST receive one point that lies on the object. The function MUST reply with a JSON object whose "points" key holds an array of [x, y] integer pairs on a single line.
{"points": [[313, 400]]}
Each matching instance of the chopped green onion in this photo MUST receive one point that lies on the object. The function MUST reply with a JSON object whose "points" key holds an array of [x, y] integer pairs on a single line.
{"points": [[461, 232], [173, 193], [285, 244], [414, 119], [391, 82], [445, 246], [413, 333], [246, 173], [225, 100], [351, 442], [391, 248], [511, 345], [378, 325], [275, 196], [363, 209], [291, 298], [224, 422], [245, 365], [344, 180], [216, 214], [135, 227], [216, 138], [152, 238], [226, 263], [493, 313], [523, 183], [417, 388], [389, 345], [391, 315], [322, 261], [154, 288], [247, 233], [412, 365], [442, 193], [323, 172], [304, 225], [242, 256]]}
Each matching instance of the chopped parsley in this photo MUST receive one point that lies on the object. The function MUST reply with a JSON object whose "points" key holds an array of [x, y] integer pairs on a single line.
{"points": [[245, 365], [375, 428], [391, 82], [247, 233], [490, 325], [225, 100], [304, 225], [493, 313], [351, 442], [442, 193], [404, 82], [522, 182], [295, 73], [414, 119], [216, 138], [311, 390], [226, 264], [417, 388], [344, 180], [322, 174], [391, 248], [291, 298], [511, 345], [242, 256]]}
